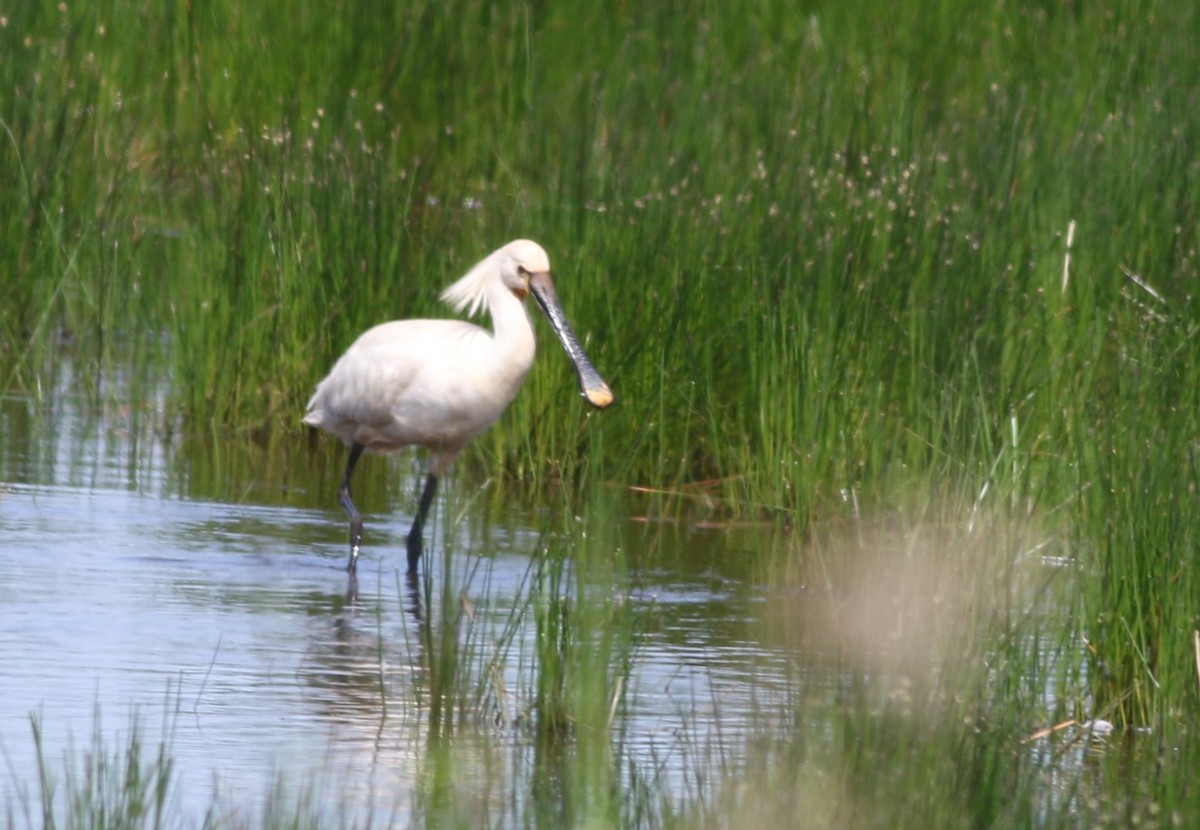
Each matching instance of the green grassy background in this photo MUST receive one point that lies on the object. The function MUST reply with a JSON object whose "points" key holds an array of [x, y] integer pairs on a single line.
{"points": [[811, 251], [820, 250]]}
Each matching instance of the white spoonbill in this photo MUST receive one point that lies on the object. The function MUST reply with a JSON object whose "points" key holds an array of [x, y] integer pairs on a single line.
{"points": [[438, 383]]}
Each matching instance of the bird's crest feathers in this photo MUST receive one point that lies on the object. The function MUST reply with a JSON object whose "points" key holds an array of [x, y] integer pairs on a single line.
{"points": [[471, 291]]}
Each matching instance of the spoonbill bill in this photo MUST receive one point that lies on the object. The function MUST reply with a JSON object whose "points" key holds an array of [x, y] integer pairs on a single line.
{"points": [[439, 383]]}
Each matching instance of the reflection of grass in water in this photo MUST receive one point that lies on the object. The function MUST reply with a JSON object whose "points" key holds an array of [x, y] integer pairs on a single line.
{"points": [[922, 659], [557, 715], [925, 657], [914, 703]]}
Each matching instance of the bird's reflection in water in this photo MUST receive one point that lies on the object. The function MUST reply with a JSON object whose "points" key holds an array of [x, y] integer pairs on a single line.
{"points": [[412, 597]]}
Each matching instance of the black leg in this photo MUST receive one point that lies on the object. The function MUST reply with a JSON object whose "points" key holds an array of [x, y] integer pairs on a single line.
{"points": [[351, 511], [415, 542]]}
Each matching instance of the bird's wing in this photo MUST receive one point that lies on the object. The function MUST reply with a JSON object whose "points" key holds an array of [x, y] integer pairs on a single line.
{"points": [[379, 374]]}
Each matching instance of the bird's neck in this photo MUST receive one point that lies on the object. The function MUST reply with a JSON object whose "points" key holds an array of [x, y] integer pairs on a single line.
{"points": [[511, 327]]}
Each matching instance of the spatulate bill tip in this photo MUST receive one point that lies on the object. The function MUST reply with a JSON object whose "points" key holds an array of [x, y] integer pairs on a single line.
{"points": [[599, 396]]}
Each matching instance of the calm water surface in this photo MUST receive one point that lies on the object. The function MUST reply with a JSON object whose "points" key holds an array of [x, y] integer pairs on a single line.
{"points": [[138, 582]]}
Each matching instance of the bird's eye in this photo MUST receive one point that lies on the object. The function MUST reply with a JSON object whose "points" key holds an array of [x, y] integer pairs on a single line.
{"points": [[522, 271]]}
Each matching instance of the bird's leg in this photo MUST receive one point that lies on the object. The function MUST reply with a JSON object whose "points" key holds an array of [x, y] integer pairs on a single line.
{"points": [[351, 511], [418, 527]]}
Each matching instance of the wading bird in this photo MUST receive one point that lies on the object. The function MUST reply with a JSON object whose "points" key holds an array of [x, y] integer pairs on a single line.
{"points": [[438, 383]]}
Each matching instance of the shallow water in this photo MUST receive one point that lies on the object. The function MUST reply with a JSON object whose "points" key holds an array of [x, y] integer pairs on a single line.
{"points": [[141, 581]]}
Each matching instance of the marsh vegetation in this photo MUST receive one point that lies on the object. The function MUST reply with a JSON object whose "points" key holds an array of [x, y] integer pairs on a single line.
{"points": [[910, 288]]}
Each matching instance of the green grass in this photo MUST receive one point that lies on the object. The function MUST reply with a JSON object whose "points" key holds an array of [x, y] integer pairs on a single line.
{"points": [[819, 251], [102, 786]]}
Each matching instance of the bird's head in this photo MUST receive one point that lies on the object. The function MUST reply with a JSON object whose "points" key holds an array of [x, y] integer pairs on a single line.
{"points": [[519, 262], [523, 268]]}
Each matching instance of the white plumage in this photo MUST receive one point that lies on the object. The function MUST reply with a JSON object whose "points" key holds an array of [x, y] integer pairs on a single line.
{"points": [[439, 383]]}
